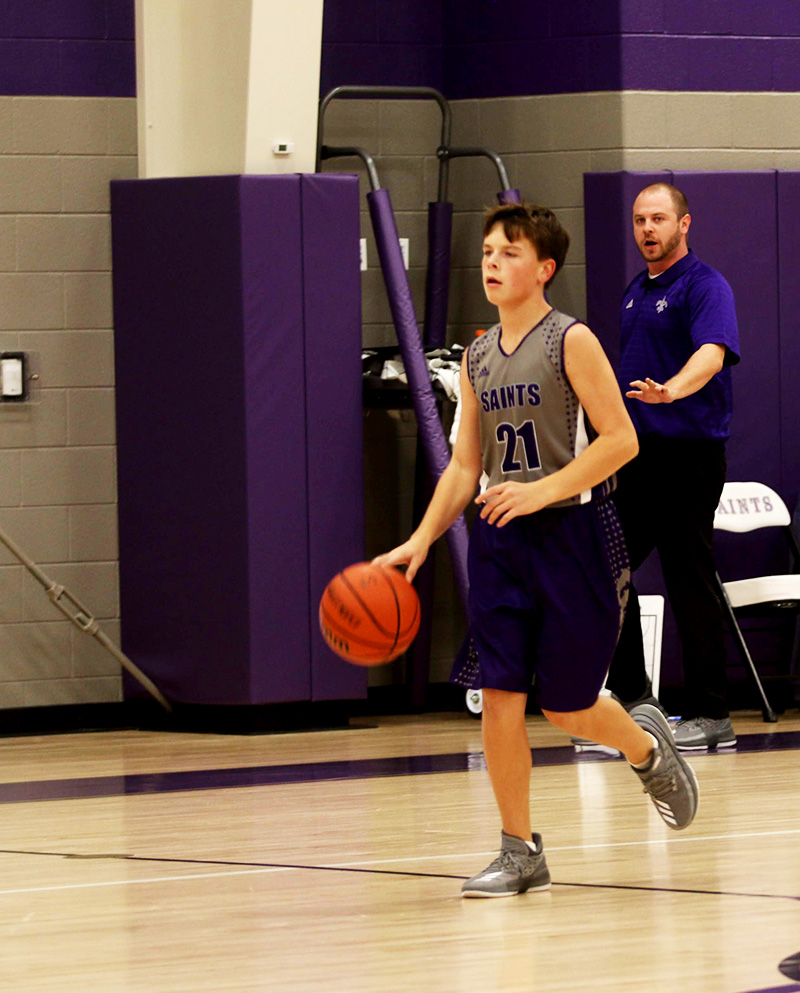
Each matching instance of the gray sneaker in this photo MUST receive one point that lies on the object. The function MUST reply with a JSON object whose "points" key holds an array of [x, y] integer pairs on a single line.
{"points": [[515, 870], [698, 733], [669, 781]]}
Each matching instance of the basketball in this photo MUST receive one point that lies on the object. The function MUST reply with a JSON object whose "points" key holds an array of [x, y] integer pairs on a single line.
{"points": [[369, 614]]}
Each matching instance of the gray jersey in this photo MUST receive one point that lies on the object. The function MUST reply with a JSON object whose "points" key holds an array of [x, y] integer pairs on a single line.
{"points": [[531, 421]]}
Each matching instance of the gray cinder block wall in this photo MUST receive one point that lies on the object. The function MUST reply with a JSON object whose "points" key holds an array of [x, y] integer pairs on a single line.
{"points": [[57, 457]]}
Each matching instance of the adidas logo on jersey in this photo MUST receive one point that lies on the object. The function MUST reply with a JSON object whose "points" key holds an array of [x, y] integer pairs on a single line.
{"points": [[484, 372]]}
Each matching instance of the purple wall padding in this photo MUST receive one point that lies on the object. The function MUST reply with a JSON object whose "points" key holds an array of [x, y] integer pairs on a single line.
{"points": [[613, 260], [273, 366], [763, 443], [216, 531], [334, 406], [180, 441], [789, 360], [754, 450], [67, 48], [750, 264], [608, 198]]}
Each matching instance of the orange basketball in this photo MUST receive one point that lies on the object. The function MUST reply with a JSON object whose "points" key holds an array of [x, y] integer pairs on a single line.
{"points": [[369, 614]]}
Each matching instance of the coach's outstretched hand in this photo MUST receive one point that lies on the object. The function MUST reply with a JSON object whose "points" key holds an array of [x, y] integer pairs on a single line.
{"points": [[649, 391]]}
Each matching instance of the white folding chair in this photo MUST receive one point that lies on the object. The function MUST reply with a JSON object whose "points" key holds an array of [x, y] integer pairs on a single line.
{"points": [[746, 507], [651, 612]]}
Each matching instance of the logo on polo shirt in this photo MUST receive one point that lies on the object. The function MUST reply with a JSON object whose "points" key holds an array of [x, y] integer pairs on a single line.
{"points": [[630, 304], [662, 304]]}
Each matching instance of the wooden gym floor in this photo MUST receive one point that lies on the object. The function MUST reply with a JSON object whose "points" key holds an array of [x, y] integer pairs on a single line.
{"points": [[331, 862]]}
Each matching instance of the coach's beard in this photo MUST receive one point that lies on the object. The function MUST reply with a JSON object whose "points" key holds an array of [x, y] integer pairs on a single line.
{"points": [[670, 246]]}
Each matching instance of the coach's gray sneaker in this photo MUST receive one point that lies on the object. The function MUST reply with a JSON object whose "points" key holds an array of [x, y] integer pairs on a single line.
{"points": [[698, 733], [669, 779], [515, 870], [649, 699]]}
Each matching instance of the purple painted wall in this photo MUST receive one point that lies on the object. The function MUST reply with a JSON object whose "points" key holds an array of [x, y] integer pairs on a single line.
{"points": [[466, 48], [381, 42], [492, 48], [77, 48]]}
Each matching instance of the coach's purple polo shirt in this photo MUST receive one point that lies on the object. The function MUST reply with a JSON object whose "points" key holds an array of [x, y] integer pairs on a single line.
{"points": [[663, 321]]}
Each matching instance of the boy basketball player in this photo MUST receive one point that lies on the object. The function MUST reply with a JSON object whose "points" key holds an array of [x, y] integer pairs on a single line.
{"points": [[544, 423]]}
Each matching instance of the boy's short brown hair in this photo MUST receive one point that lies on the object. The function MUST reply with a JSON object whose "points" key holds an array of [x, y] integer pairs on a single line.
{"points": [[538, 224]]}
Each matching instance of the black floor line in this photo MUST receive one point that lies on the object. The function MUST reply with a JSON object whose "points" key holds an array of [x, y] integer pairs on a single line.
{"points": [[678, 889], [787, 967], [230, 864], [383, 872]]}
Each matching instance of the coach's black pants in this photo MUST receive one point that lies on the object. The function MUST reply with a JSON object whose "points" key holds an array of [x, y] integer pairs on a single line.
{"points": [[666, 499]]}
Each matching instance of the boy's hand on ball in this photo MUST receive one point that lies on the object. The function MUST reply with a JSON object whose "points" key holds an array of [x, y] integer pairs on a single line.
{"points": [[411, 554], [506, 501], [369, 614]]}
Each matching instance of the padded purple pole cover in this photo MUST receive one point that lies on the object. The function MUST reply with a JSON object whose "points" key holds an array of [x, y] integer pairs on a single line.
{"points": [[437, 283], [419, 382]]}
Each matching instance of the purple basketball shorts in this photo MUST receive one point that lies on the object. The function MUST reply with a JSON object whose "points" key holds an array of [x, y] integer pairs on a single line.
{"points": [[546, 602]]}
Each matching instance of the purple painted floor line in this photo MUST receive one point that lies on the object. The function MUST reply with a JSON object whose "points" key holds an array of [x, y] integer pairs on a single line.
{"points": [[220, 779], [270, 775]]}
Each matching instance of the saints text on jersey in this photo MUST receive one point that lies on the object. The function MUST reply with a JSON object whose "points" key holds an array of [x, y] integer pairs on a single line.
{"points": [[511, 395]]}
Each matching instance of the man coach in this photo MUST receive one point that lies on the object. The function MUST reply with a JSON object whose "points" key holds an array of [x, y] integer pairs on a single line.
{"points": [[679, 338]]}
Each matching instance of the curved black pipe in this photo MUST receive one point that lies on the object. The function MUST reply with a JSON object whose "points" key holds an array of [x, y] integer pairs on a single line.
{"points": [[337, 151], [444, 152], [397, 93]]}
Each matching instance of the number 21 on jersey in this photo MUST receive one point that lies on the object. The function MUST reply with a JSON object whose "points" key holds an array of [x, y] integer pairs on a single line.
{"points": [[510, 435]]}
